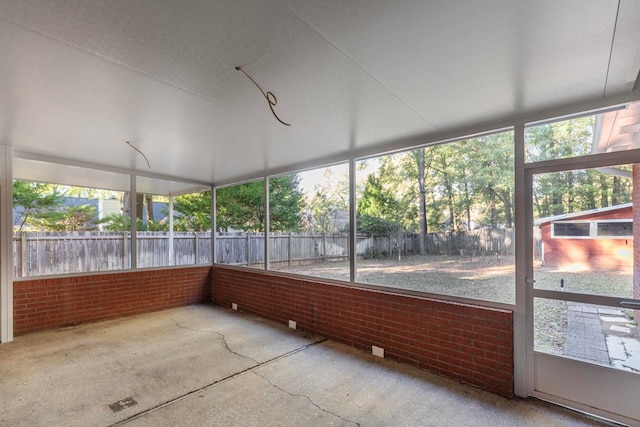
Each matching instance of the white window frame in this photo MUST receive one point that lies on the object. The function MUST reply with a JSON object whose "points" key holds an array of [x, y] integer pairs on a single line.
{"points": [[593, 229]]}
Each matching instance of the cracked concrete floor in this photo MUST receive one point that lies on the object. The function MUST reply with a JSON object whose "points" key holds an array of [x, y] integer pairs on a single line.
{"points": [[206, 365]]}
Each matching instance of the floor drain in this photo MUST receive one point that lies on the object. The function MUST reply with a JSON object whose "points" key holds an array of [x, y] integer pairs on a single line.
{"points": [[123, 404]]}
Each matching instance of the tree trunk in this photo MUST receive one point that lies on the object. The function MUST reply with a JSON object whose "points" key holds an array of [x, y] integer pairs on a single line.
{"points": [[125, 204], [148, 202], [604, 191], [508, 214], [139, 205], [616, 191]]}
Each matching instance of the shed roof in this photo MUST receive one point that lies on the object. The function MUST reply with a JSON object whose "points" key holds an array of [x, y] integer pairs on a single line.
{"points": [[575, 215]]}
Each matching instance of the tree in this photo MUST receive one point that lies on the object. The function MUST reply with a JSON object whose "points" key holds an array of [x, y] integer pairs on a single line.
{"points": [[285, 203], [376, 207], [242, 206], [380, 212], [321, 211], [192, 212], [33, 199], [67, 218]]}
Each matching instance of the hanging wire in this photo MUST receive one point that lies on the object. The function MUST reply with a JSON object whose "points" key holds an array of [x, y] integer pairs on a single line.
{"points": [[269, 96], [145, 157]]}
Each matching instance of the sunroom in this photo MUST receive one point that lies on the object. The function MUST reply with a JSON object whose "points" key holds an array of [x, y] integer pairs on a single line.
{"points": [[370, 173]]}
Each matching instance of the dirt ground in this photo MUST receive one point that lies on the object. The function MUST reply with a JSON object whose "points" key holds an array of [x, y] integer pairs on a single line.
{"points": [[483, 278]]}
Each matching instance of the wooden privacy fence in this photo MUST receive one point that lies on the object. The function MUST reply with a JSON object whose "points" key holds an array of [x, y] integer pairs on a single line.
{"points": [[284, 248], [297, 248], [484, 241], [47, 253]]}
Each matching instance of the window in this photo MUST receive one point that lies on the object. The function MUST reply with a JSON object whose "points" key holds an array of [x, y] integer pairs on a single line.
{"points": [[240, 223], [593, 229], [439, 219], [571, 229], [615, 229], [309, 222], [580, 136], [173, 223], [68, 219]]}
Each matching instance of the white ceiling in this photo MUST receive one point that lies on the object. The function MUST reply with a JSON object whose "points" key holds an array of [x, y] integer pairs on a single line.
{"points": [[78, 78]]}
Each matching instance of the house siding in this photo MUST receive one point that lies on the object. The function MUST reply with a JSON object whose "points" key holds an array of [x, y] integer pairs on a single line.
{"points": [[589, 253]]}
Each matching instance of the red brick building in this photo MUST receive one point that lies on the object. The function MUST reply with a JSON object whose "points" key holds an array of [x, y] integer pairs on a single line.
{"points": [[594, 239]]}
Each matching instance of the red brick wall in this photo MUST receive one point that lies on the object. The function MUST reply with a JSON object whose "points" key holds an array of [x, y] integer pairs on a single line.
{"points": [[40, 304], [469, 343]]}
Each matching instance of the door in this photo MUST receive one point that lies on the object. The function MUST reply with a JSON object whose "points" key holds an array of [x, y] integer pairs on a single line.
{"points": [[584, 322]]}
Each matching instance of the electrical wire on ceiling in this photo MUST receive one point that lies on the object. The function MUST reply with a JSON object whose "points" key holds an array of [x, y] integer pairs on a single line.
{"points": [[270, 97], [141, 153]]}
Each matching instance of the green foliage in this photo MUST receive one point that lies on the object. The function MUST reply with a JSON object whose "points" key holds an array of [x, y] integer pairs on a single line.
{"points": [[443, 187], [192, 212], [156, 226], [320, 213], [242, 206], [371, 253], [571, 191], [66, 218], [115, 222], [34, 200], [470, 183], [285, 203], [378, 209]]}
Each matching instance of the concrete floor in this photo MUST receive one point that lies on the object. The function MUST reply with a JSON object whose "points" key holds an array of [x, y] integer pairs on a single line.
{"points": [[205, 365]]}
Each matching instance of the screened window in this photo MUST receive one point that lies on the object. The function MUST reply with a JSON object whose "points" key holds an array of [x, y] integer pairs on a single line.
{"points": [[68, 219], [571, 229], [439, 219], [240, 219], [173, 223], [593, 229], [309, 222], [580, 136], [615, 229]]}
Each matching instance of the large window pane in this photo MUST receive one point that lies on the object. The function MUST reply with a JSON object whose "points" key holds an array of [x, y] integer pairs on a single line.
{"points": [[440, 219], [68, 220], [592, 333], [592, 134], [309, 222], [173, 223], [583, 231], [240, 224]]}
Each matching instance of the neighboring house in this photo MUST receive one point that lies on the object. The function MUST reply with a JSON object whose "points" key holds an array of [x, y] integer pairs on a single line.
{"points": [[594, 239], [103, 207]]}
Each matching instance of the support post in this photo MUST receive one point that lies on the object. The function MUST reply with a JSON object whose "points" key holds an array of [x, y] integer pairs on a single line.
{"points": [[23, 253], [6, 246], [172, 261]]}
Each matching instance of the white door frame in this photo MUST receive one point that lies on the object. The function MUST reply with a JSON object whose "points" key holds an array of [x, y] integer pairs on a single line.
{"points": [[562, 377], [6, 246]]}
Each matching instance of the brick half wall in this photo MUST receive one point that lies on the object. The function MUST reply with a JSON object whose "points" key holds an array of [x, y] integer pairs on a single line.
{"points": [[40, 304], [468, 343]]}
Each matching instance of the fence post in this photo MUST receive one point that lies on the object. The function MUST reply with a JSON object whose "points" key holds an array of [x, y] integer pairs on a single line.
{"points": [[289, 250], [248, 249], [125, 255], [324, 246], [197, 248], [23, 253]]}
